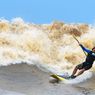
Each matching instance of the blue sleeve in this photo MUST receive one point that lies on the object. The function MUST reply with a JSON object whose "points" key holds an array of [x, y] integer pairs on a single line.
{"points": [[85, 49]]}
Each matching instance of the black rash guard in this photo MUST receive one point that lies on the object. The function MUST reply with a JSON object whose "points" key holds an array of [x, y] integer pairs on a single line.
{"points": [[90, 56]]}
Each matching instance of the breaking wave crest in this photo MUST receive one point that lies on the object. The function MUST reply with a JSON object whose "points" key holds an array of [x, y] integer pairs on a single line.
{"points": [[49, 46]]}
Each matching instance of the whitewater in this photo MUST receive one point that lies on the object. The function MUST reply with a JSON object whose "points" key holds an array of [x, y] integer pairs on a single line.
{"points": [[50, 47]]}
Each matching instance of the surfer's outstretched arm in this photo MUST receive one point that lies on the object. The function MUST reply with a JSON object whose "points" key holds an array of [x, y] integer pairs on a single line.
{"points": [[85, 49]]}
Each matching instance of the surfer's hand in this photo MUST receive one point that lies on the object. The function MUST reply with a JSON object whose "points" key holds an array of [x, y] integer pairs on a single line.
{"points": [[80, 44]]}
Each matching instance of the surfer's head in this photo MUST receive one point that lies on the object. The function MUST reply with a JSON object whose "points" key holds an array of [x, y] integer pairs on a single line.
{"points": [[93, 49]]}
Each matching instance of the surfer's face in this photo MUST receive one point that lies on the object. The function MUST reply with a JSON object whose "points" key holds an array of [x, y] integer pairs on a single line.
{"points": [[93, 49]]}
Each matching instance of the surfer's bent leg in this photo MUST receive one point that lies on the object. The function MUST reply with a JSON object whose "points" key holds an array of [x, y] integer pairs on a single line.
{"points": [[80, 66], [84, 68], [75, 70], [80, 72]]}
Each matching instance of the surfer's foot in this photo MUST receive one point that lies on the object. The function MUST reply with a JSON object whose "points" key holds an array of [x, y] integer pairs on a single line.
{"points": [[72, 76]]}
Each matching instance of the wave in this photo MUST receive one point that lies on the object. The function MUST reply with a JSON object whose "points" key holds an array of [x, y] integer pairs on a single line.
{"points": [[49, 46]]}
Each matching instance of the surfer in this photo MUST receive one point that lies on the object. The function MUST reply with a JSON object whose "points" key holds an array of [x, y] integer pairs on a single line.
{"points": [[87, 64]]}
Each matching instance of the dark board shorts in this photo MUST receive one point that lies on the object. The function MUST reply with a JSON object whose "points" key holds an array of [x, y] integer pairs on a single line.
{"points": [[84, 65]]}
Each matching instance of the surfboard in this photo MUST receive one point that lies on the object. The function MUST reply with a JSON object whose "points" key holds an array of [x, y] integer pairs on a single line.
{"points": [[58, 78]]}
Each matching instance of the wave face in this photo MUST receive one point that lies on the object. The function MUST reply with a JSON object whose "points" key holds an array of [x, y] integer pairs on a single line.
{"points": [[49, 46]]}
